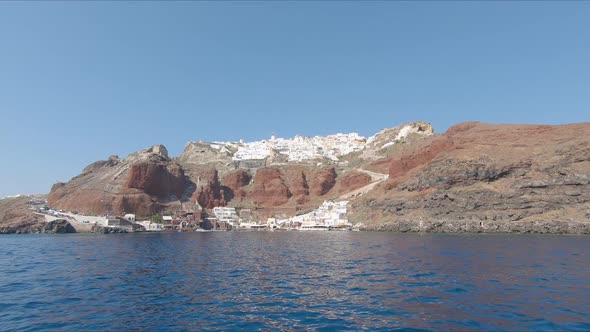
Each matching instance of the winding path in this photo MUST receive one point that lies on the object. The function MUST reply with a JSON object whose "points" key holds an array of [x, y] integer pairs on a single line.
{"points": [[376, 178]]}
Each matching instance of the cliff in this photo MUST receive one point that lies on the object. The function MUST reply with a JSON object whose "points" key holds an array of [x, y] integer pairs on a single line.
{"points": [[474, 177], [142, 183], [278, 176], [486, 178]]}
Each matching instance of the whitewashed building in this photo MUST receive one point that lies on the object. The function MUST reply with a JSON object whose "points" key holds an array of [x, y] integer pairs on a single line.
{"points": [[151, 226], [302, 148], [130, 217], [227, 214], [328, 215]]}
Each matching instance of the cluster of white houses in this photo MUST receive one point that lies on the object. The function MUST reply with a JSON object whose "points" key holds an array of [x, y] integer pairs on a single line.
{"points": [[302, 148], [330, 215]]}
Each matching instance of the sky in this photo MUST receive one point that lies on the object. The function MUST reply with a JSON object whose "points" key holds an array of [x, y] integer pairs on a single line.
{"points": [[80, 81]]}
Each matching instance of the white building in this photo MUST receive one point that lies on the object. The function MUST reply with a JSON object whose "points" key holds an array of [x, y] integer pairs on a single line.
{"points": [[328, 215], [119, 223], [129, 217], [151, 226], [302, 148], [227, 215]]}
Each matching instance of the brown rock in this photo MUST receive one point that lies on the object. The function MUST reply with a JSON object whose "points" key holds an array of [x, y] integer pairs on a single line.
{"points": [[137, 184], [156, 179], [297, 182], [268, 188], [235, 182], [16, 217], [496, 177], [140, 204], [399, 167], [209, 193], [353, 181], [324, 181]]}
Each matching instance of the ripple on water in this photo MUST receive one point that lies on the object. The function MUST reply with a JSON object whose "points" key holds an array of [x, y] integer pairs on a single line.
{"points": [[291, 281]]}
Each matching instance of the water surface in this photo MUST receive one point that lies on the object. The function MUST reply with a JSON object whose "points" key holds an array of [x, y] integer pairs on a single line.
{"points": [[294, 281]]}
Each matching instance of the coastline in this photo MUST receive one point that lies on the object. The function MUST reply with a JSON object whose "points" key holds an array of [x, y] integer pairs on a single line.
{"points": [[443, 227], [487, 227]]}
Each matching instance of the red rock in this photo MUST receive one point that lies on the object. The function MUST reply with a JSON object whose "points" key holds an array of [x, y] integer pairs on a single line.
{"points": [[399, 167], [141, 204], [353, 181], [157, 179], [209, 193], [268, 188], [135, 185], [323, 181], [235, 182], [297, 182]]}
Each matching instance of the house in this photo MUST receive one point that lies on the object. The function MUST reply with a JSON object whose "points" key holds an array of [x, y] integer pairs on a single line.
{"points": [[119, 222], [151, 226], [226, 215]]}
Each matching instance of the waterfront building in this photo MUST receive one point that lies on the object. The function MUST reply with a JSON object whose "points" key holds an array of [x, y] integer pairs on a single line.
{"points": [[118, 222], [227, 215], [130, 217], [151, 226], [328, 215]]}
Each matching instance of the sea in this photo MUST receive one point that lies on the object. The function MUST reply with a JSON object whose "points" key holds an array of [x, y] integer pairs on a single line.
{"points": [[294, 281]]}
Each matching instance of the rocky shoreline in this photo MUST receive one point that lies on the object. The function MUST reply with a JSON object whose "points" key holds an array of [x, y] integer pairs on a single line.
{"points": [[449, 227], [52, 227], [489, 227]]}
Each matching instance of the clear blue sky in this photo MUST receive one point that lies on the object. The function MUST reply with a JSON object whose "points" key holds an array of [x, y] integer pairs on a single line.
{"points": [[81, 81]]}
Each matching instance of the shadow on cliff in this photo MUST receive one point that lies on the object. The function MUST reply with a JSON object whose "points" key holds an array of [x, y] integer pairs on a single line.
{"points": [[189, 189]]}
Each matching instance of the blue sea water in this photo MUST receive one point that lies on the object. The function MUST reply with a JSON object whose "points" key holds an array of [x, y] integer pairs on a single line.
{"points": [[294, 281]]}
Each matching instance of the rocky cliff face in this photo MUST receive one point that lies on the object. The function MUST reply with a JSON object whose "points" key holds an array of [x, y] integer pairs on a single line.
{"points": [[157, 179], [486, 176], [405, 178], [142, 183], [211, 175]]}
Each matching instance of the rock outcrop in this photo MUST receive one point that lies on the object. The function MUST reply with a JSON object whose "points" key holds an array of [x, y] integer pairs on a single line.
{"points": [[324, 181], [59, 226], [157, 179], [142, 183], [209, 193], [108, 230], [16, 217], [269, 188], [236, 183]]}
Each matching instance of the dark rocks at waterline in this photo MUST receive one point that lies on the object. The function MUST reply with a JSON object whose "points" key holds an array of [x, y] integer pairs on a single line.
{"points": [[488, 226], [58, 226], [108, 230]]}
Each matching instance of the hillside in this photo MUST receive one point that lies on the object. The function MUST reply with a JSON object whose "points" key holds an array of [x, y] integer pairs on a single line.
{"points": [[483, 177], [272, 177], [474, 177]]}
